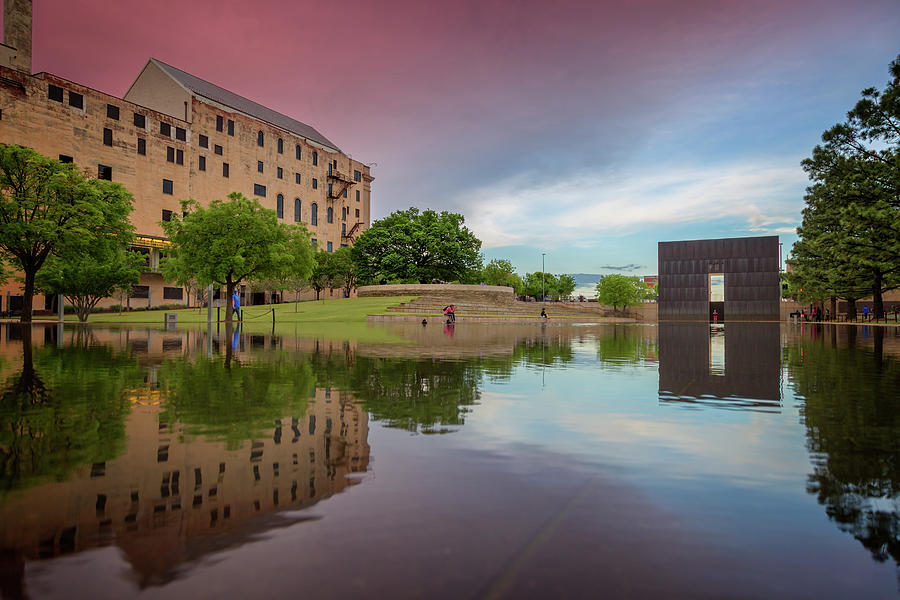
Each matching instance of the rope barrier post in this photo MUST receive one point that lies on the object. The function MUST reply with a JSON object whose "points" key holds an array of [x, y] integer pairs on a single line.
{"points": [[273, 319]]}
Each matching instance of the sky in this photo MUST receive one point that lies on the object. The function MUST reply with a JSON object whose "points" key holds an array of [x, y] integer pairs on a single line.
{"points": [[586, 131]]}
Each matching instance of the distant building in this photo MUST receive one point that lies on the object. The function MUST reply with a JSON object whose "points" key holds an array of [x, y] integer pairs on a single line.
{"points": [[731, 279], [175, 136]]}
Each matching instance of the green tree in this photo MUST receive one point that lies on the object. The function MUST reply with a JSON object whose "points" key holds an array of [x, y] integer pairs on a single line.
{"points": [[413, 246], [48, 207], [500, 272], [87, 276], [565, 285], [856, 191], [320, 277], [343, 271], [232, 241], [537, 283], [620, 290]]}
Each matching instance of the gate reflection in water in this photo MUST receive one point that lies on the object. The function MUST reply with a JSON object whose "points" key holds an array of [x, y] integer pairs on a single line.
{"points": [[512, 461]]}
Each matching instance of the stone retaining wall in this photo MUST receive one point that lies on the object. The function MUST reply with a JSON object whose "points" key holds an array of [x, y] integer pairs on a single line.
{"points": [[448, 293]]}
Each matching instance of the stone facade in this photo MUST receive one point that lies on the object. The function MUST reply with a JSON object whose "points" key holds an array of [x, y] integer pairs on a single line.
{"points": [[175, 145]]}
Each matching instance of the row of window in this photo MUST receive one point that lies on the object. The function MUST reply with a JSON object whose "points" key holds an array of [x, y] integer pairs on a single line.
{"points": [[56, 93], [76, 100], [314, 210]]}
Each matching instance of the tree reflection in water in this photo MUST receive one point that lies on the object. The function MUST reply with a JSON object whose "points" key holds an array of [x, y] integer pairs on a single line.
{"points": [[66, 407], [233, 401], [853, 434]]}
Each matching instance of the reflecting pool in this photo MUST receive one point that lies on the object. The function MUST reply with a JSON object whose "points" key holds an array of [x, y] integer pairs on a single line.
{"points": [[679, 460]]}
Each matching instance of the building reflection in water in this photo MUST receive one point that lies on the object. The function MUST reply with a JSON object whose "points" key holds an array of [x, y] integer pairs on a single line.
{"points": [[179, 478], [733, 365]]}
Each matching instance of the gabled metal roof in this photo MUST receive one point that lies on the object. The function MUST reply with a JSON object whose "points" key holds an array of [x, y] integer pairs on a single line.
{"points": [[222, 96]]}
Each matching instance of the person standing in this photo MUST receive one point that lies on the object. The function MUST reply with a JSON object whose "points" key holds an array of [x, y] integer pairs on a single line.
{"points": [[236, 303]]}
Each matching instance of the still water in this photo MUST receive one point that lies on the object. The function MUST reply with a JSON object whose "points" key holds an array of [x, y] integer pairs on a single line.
{"points": [[679, 460]]}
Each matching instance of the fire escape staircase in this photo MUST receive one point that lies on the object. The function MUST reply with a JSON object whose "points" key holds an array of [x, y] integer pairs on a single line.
{"points": [[341, 182]]}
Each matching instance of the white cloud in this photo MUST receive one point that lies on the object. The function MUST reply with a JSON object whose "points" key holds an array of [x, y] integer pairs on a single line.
{"points": [[766, 194]]}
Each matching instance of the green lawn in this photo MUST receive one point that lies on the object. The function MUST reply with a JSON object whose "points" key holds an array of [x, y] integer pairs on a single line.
{"points": [[339, 310]]}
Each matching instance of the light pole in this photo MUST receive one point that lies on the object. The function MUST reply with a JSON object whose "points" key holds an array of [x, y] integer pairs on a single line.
{"points": [[543, 295]]}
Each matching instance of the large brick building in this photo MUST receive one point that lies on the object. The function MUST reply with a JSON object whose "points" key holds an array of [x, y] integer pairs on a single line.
{"points": [[175, 136]]}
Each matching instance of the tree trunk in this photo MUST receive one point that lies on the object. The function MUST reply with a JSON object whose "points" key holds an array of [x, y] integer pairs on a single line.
{"points": [[877, 301], [27, 296], [229, 308], [851, 309]]}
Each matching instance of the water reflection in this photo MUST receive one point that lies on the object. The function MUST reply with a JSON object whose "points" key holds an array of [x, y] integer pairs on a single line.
{"points": [[853, 430], [155, 446], [735, 365], [172, 445]]}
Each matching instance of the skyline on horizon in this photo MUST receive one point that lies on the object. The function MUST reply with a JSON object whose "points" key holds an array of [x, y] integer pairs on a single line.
{"points": [[588, 132]]}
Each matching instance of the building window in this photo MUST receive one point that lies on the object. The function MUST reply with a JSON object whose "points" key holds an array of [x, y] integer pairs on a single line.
{"points": [[259, 166], [357, 195], [314, 242], [165, 129], [280, 173], [112, 112], [230, 127], [279, 206], [259, 190], [166, 215], [345, 192], [201, 163], [297, 151], [315, 183], [55, 93], [179, 157], [315, 158], [170, 154], [180, 134], [260, 138], [314, 214], [296, 210], [297, 178], [104, 172], [203, 141], [343, 229], [330, 215], [142, 146], [224, 169], [280, 146], [140, 120], [343, 213], [330, 190], [107, 137], [329, 246], [76, 100], [167, 186], [217, 149], [357, 213], [65, 159], [357, 176], [173, 293], [219, 122]]}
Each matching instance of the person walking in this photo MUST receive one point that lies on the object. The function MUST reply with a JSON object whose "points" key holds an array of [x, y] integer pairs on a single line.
{"points": [[236, 303]]}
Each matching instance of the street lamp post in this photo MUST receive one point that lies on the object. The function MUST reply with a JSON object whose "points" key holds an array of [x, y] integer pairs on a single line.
{"points": [[543, 295]]}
